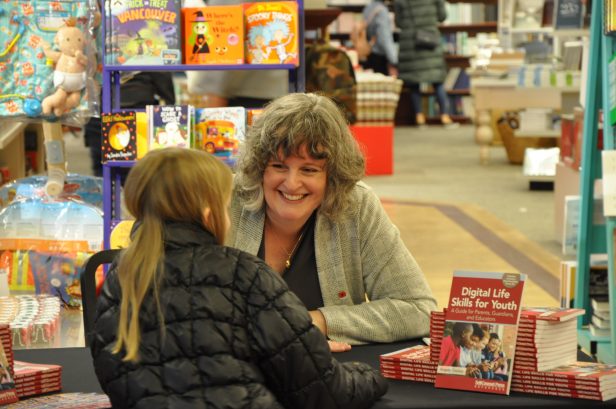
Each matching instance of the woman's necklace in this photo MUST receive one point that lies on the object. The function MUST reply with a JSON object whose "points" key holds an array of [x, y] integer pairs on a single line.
{"points": [[287, 263]]}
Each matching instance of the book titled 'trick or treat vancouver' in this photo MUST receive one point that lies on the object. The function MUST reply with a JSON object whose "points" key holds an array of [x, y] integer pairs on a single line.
{"points": [[481, 324]]}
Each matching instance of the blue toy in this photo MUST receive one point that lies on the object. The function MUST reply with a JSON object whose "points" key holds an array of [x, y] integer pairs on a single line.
{"points": [[27, 60]]}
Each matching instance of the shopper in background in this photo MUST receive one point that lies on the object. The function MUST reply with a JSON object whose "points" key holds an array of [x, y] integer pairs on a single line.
{"points": [[299, 204], [418, 65], [183, 321], [138, 90], [247, 88], [383, 57]]}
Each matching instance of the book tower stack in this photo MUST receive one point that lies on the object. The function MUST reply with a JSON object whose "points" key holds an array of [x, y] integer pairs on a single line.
{"points": [[600, 324], [36, 379], [546, 356], [546, 339], [412, 364]]}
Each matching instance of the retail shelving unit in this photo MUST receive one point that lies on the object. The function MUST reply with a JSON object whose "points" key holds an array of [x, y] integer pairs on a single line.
{"points": [[115, 171], [593, 238]]}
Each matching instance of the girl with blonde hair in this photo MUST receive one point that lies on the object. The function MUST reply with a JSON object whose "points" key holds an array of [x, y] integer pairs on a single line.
{"points": [[183, 321]]}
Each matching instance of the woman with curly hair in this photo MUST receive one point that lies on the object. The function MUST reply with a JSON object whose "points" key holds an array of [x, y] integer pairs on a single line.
{"points": [[299, 204]]}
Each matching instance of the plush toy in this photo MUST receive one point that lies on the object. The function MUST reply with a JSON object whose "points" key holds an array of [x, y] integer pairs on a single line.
{"points": [[69, 77]]}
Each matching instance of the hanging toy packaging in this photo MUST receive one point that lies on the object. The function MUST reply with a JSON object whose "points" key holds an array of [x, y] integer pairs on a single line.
{"points": [[48, 60]]}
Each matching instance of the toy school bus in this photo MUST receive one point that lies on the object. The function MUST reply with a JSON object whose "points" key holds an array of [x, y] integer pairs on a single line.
{"points": [[217, 137]]}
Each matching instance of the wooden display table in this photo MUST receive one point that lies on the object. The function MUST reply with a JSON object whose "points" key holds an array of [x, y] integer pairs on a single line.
{"points": [[490, 94]]}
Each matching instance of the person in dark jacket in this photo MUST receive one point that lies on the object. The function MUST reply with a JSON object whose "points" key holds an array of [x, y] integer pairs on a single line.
{"points": [[183, 321], [421, 65]]}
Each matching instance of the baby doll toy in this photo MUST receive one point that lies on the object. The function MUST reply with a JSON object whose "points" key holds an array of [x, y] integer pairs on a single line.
{"points": [[69, 77]]}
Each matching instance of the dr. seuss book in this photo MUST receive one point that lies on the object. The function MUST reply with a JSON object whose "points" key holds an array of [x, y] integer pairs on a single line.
{"points": [[213, 35], [481, 323], [170, 126], [143, 32], [221, 131], [119, 132], [271, 33]]}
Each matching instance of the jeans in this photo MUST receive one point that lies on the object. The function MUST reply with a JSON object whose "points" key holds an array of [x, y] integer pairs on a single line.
{"points": [[439, 91]]}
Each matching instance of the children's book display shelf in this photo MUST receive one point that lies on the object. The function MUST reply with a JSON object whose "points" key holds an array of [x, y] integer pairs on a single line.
{"points": [[115, 171], [595, 239]]}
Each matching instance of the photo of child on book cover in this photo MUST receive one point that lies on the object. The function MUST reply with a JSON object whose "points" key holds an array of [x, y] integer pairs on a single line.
{"points": [[271, 33]]}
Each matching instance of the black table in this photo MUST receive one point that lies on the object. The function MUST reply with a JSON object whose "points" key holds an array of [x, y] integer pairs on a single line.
{"points": [[78, 376]]}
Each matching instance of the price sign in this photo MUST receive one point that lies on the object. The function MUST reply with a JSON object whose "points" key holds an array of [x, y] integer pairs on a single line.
{"points": [[568, 14]]}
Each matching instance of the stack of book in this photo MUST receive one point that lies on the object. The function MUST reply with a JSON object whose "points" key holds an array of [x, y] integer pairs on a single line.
{"points": [[437, 327], [36, 379], [413, 364], [75, 400], [585, 380], [547, 338], [600, 325], [541, 331]]}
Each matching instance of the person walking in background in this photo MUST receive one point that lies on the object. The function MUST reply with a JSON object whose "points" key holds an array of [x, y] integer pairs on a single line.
{"points": [[420, 59], [184, 322], [383, 57]]}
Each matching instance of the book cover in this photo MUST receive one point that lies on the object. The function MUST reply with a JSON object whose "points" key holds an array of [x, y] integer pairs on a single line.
{"points": [[170, 126], [221, 131], [568, 14], [213, 35], [271, 33], [119, 132], [144, 32], [478, 345]]}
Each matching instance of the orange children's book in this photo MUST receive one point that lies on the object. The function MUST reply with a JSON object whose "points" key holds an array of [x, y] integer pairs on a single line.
{"points": [[213, 35], [271, 33]]}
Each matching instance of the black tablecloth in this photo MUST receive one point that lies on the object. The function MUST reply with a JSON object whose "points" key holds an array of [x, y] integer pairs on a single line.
{"points": [[78, 376]]}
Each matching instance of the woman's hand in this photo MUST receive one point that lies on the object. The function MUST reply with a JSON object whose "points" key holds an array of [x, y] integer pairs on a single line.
{"points": [[336, 346]]}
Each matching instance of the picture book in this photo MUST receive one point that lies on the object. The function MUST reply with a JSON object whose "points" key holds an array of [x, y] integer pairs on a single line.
{"points": [[143, 32], [221, 131], [213, 35], [271, 33], [481, 323], [119, 132], [170, 126]]}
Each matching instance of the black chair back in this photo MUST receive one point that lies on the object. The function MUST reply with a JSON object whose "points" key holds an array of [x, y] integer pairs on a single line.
{"points": [[88, 288]]}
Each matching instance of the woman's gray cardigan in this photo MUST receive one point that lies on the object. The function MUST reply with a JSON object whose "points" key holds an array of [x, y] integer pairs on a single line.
{"points": [[359, 256]]}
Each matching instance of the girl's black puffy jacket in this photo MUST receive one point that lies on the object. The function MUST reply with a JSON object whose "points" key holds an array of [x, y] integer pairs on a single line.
{"points": [[235, 337]]}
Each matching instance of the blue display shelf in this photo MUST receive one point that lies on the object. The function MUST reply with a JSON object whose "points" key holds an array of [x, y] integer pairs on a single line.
{"points": [[597, 98]]}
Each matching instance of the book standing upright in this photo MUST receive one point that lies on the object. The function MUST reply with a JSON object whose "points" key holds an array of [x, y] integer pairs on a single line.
{"points": [[480, 303]]}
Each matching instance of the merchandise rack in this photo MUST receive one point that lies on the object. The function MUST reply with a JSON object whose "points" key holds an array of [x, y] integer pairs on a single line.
{"points": [[594, 238], [115, 171]]}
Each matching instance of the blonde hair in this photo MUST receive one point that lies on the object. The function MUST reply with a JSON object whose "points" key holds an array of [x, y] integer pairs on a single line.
{"points": [[170, 184], [293, 121]]}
